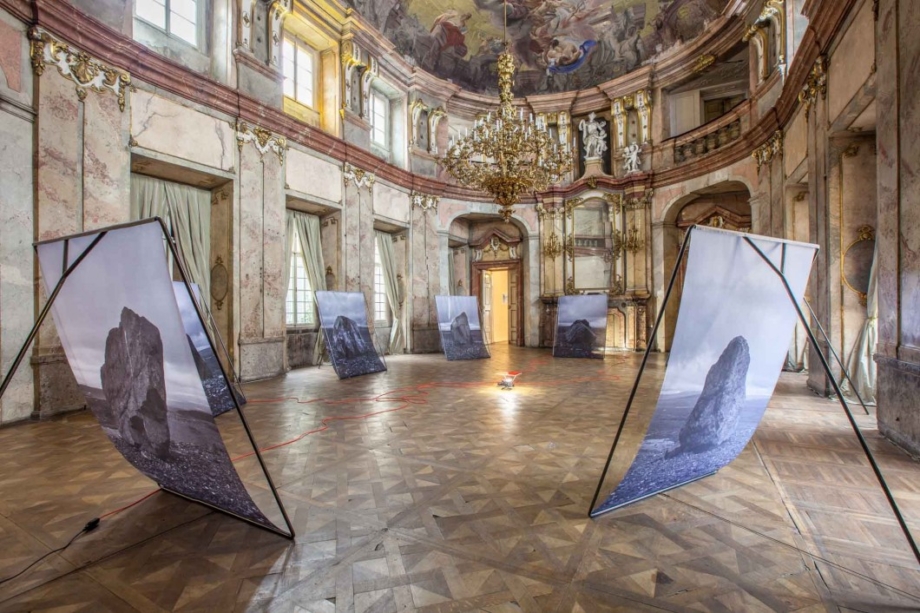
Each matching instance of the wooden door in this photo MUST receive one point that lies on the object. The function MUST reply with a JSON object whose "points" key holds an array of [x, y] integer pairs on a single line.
{"points": [[487, 306], [514, 305]]}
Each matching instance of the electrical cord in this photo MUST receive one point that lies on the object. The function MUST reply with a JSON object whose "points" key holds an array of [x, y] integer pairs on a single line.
{"points": [[89, 527]]}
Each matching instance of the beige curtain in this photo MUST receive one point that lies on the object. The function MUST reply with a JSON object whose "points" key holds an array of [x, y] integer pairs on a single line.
{"points": [[861, 363], [187, 213], [391, 283], [306, 227]]}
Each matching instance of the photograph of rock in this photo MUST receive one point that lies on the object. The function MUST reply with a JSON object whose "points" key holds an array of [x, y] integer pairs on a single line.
{"points": [[581, 327], [120, 326], [206, 363], [732, 336], [460, 328], [343, 318]]}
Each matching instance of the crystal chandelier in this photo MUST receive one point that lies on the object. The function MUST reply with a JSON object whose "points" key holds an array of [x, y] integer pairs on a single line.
{"points": [[506, 154]]}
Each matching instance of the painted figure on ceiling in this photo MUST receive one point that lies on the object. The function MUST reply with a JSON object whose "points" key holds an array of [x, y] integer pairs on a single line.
{"points": [[448, 32]]}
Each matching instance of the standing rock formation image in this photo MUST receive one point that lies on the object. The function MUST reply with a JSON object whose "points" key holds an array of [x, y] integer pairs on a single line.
{"points": [[460, 330], [348, 337], [717, 410], [134, 384]]}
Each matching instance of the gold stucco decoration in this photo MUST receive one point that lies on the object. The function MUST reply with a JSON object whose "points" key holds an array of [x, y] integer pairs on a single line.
{"points": [[263, 140], [86, 72]]}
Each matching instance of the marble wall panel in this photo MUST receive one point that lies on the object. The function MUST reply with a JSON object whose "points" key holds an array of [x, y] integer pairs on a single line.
{"points": [[106, 163], [391, 203], [887, 186], [331, 238], [795, 142], [311, 175], [159, 124], [250, 254], [11, 53], [852, 62], [273, 243], [909, 173], [17, 298], [351, 238]]}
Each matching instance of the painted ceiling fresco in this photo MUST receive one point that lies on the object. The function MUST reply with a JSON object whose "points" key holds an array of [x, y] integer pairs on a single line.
{"points": [[559, 44]]}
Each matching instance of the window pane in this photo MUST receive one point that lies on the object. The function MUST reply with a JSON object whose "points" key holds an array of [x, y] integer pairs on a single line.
{"points": [[187, 9], [305, 92], [183, 28], [153, 11]]}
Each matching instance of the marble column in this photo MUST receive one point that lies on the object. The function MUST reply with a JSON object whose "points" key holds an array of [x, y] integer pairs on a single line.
{"points": [[358, 238], [17, 298], [259, 261], [425, 279], [898, 357]]}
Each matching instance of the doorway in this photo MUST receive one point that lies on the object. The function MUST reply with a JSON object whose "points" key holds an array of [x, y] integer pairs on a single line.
{"points": [[499, 292], [496, 305]]}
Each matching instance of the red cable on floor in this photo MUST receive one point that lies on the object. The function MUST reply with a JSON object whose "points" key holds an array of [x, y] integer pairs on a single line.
{"points": [[418, 398]]}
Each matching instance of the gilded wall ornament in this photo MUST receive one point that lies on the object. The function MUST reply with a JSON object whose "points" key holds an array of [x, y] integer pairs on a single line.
{"points": [[425, 202], [640, 202], [770, 150], [361, 177], [552, 248], [815, 84], [263, 140], [434, 120], [703, 62], [76, 66]]}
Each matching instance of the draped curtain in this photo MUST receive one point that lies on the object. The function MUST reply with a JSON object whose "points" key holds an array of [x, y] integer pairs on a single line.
{"points": [[391, 284], [306, 228], [861, 364], [187, 213]]}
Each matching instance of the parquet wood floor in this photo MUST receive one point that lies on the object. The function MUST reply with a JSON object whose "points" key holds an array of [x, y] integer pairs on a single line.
{"points": [[465, 498]]}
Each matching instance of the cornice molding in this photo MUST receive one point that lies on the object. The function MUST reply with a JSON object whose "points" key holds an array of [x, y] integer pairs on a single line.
{"points": [[68, 23]]}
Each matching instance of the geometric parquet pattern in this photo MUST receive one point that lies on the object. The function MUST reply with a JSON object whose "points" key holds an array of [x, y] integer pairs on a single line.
{"points": [[463, 497]]}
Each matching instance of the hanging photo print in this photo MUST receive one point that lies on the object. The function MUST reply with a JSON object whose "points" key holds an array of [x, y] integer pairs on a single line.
{"points": [[121, 329], [581, 327], [733, 331], [343, 317], [460, 328]]}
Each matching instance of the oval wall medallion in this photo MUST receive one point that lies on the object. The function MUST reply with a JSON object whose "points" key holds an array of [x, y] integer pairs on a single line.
{"points": [[220, 283]]}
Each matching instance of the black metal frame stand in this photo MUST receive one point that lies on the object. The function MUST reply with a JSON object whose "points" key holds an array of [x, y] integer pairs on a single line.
{"points": [[814, 342], [68, 270]]}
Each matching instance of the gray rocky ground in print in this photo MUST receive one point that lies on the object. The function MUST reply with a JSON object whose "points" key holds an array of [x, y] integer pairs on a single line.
{"points": [[579, 340], [715, 416], [134, 383]]}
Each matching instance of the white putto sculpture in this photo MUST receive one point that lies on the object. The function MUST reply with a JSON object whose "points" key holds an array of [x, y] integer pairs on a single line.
{"points": [[631, 161], [593, 136]]}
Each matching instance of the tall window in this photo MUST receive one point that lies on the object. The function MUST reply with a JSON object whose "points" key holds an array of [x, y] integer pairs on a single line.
{"points": [[381, 308], [178, 17], [299, 67], [380, 119], [300, 306]]}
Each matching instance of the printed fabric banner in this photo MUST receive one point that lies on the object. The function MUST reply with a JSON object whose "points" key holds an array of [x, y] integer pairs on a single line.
{"points": [[460, 328], [123, 335], [343, 317], [207, 364], [581, 327], [732, 335]]}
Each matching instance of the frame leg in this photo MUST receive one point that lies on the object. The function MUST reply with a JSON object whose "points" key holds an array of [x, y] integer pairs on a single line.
{"points": [[862, 441], [635, 387]]}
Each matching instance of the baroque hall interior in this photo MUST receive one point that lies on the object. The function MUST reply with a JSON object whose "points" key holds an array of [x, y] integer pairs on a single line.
{"points": [[298, 146]]}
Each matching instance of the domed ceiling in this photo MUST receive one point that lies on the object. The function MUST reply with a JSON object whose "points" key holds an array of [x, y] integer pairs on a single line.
{"points": [[559, 44]]}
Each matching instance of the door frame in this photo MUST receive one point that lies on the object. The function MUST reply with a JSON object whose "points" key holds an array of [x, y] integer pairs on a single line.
{"points": [[509, 265]]}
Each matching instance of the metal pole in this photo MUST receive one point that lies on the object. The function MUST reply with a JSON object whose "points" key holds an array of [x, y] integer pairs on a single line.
{"points": [[843, 368], [648, 350], [846, 408], [223, 372]]}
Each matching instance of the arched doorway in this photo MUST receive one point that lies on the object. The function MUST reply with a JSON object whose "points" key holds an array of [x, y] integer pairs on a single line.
{"points": [[725, 205], [487, 258]]}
